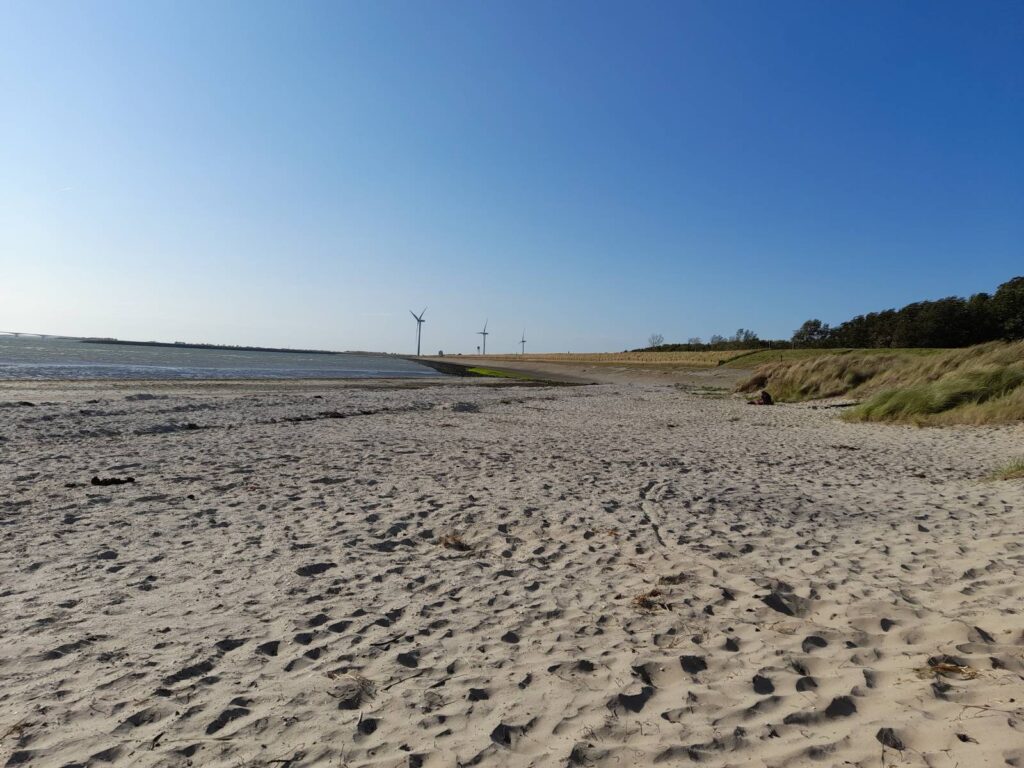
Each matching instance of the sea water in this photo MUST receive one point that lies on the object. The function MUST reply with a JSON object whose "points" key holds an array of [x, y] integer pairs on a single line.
{"points": [[24, 357]]}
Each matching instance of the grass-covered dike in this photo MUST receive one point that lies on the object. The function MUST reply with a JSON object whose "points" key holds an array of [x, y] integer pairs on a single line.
{"points": [[983, 384], [476, 371], [496, 374]]}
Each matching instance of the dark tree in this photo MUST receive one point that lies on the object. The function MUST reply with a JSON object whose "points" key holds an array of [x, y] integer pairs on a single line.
{"points": [[811, 334], [948, 322], [1008, 308]]}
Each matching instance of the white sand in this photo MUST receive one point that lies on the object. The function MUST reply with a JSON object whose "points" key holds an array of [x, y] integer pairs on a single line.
{"points": [[164, 623]]}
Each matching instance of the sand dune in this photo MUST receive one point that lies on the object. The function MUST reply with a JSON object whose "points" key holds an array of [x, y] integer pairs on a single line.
{"points": [[465, 574]]}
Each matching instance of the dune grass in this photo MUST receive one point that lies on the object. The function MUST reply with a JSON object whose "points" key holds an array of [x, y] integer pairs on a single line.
{"points": [[924, 402], [764, 356], [975, 385], [1012, 471]]}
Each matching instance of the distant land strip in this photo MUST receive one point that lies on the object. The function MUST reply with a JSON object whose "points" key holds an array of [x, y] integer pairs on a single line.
{"points": [[187, 345]]}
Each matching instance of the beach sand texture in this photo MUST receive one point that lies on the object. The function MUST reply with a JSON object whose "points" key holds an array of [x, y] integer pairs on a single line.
{"points": [[467, 574]]}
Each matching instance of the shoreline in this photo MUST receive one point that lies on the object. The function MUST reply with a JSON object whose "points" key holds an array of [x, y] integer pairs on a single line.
{"points": [[25, 389]]}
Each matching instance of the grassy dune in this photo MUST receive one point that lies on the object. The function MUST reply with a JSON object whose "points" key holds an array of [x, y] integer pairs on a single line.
{"points": [[976, 385], [761, 357]]}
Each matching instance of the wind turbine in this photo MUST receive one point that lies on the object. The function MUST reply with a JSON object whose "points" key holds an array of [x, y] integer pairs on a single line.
{"points": [[522, 342], [485, 334], [419, 325]]}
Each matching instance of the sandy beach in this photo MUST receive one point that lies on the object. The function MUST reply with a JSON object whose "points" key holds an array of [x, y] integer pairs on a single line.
{"points": [[474, 573]]}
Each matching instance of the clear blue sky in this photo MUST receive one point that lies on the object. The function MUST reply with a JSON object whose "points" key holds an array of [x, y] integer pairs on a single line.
{"points": [[305, 173]]}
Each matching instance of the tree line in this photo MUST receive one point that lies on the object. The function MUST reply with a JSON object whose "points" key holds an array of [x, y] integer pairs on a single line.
{"points": [[743, 339], [948, 322]]}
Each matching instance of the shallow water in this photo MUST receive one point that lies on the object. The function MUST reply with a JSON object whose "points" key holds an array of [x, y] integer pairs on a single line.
{"points": [[33, 358]]}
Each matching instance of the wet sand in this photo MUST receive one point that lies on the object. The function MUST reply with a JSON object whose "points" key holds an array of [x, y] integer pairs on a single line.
{"points": [[458, 573]]}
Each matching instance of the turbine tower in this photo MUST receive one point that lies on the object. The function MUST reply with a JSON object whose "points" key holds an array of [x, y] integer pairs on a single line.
{"points": [[419, 325], [522, 343], [485, 334]]}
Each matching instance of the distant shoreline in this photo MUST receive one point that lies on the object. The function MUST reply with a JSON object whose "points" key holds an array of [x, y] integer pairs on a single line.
{"points": [[229, 347]]}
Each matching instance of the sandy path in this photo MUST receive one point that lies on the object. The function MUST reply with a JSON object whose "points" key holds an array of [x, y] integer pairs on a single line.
{"points": [[273, 589]]}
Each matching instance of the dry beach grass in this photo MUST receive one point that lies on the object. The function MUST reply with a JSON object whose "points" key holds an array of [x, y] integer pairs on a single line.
{"points": [[468, 574], [983, 384]]}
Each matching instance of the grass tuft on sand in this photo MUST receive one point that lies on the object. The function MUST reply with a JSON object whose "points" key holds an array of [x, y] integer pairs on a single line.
{"points": [[1012, 471], [983, 384]]}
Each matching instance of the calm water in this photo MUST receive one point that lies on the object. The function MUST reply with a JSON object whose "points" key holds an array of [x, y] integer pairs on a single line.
{"points": [[27, 358]]}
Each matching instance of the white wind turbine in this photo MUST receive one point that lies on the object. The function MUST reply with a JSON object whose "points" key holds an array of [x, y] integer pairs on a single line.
{"points": [[522, 343], [419, 325], [485, 334]]}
